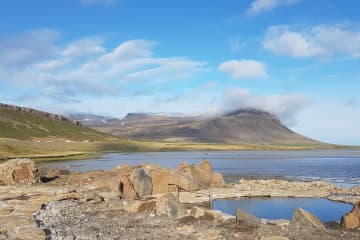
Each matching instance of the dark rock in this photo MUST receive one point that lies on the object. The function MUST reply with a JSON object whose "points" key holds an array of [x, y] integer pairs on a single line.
{"points": [[142, 182]]}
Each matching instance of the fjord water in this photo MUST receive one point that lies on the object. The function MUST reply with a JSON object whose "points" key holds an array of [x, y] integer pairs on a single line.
{"points": [[341, 167], [283, 208]]}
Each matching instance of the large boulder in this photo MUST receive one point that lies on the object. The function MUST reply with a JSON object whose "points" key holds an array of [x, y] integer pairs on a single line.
{"points": [[217, 180], [18, 171], [351, 220], [142, 182], [243, 217], [201, 176], [191, 175], [184, 178], [126, 188], [303, 220], [168, 205], [162, 179]]}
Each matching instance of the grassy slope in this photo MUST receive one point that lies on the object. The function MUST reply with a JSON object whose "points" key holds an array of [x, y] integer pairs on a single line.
{"points": [[29, 125]]}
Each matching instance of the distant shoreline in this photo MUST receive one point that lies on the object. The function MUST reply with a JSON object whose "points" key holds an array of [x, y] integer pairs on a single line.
{"points": [[58, 150]]}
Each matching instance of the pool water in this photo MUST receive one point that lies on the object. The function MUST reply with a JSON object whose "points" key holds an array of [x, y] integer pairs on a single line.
{"points": [[283, 208]]}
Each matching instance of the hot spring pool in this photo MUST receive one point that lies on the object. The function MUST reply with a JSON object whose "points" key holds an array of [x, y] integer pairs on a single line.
{"points": [[283, 208]]}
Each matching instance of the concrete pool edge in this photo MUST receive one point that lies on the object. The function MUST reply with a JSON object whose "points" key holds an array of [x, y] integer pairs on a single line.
{"points": [[275, 188]]}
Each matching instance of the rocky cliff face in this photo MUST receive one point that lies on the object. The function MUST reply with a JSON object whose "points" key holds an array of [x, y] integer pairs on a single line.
{"points": [[37, 112]]}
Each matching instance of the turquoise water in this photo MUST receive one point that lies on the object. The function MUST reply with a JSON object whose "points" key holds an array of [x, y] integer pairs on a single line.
{"points": [[341, 167], [283, 208]]}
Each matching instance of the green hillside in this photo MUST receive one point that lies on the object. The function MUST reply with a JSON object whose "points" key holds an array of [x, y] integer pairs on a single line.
{"points": [[24, 123]]}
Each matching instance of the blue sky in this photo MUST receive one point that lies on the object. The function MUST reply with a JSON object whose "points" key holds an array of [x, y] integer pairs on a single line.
{"points": [[298, 59]]}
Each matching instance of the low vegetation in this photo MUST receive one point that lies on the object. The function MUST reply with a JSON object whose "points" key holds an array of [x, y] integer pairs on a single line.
{"points": [[25, 124]]}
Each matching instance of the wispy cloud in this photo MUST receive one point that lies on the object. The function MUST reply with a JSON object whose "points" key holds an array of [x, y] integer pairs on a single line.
{"points": [[35, 63], [258, 6], [317, 41], [243, 69], [26, 47]]}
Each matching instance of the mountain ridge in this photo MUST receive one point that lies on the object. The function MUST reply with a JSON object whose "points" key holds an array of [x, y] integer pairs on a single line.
{"points": [[243, 126]]}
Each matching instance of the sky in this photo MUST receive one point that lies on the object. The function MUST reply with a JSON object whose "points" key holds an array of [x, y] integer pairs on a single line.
{"points": [[298, 59]]}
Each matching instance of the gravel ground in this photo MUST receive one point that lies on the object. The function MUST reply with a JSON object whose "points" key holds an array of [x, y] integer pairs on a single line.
{"points": [[70, 220]]}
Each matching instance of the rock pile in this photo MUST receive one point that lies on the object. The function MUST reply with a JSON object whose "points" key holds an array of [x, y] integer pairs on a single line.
{"points": [[154, 179]]}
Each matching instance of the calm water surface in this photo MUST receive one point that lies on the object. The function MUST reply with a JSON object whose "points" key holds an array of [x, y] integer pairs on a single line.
{"points": [[338, 166], [283, 208]]}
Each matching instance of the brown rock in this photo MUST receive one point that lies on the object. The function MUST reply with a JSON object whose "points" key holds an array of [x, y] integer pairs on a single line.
{"points": [[184, 178], [201, 176], [126, 188], [18, 171], [247, 218], [351, 220], [130, 205], [162, 180], [205, 165], [170, 206], [217, 180], [304, 220], [208, 214]]}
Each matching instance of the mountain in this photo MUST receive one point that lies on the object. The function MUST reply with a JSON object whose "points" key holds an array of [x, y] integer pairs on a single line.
{"points": [[26, 123], [90, 119], [245, 126]]}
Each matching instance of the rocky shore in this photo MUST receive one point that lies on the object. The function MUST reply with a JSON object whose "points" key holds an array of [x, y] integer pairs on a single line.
{"points": [[152, 202]]}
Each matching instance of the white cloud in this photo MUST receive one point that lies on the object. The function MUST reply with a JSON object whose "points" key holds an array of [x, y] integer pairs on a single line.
{"points": [[85, 66], [83, 47], [324, 115], [317, 41], [284, 42], [284, 106], [26, 47], [258, 6], [243, 69], [97, 2]]}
